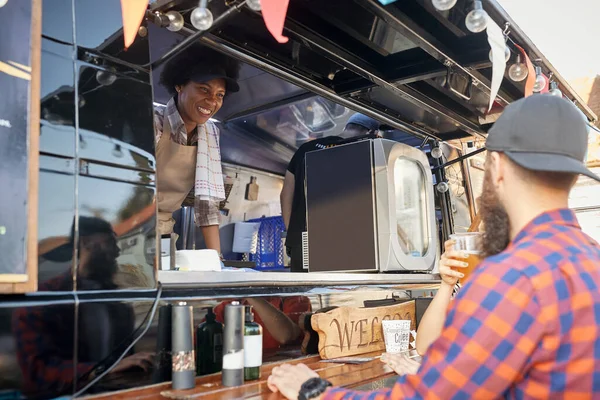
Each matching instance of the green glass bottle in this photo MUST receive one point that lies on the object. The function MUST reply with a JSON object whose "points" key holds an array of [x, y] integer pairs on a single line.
{"points": [[209, 345], [253, 344]]}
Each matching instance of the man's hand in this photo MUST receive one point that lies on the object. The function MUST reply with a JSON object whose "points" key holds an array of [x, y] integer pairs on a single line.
{"points": [[401, 364], [288, 379], [143, 360], [452, 259]]}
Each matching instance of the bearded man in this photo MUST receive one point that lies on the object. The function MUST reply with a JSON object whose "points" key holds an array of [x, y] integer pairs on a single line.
{"points": [[527, 322]]}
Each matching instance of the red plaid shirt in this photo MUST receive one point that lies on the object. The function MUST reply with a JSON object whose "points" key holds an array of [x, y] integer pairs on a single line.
{"points": [[526, 324]]}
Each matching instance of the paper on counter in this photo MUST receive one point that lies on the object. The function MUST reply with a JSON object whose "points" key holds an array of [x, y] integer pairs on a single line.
{"points": [[198, 260], [498, 45]]}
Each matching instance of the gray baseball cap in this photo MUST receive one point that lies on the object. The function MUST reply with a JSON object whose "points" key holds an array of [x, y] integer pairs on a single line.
{"points": [[543, 133]]}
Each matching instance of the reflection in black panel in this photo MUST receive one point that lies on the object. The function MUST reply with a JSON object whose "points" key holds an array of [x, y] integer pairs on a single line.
{"points": [[115, 66], [56, 214], [116, 234], [99, 26], [57, 19], [36, 350], [115, 119], [57, 104], [120, 174], [105, 330]]}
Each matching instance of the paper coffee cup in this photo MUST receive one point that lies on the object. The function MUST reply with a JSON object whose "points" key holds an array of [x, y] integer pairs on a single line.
{"points": [[396, 335]]}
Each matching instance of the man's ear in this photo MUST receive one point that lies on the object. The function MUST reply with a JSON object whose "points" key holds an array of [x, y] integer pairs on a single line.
{"points": [[497, 165]]}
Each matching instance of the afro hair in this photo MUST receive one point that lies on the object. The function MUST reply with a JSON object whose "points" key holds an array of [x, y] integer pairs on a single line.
{"points": [[194, 59]]}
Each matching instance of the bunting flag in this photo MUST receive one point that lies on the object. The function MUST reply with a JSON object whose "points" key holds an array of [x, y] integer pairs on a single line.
{"points": [[274, 12], [498, 45], [133, 14], [531, 76]]}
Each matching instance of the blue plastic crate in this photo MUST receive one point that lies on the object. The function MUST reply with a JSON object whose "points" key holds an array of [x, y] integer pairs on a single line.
{"points": [[269, 251]]}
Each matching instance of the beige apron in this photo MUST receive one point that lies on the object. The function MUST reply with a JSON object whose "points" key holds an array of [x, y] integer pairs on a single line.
{"points": [[175, 177]]}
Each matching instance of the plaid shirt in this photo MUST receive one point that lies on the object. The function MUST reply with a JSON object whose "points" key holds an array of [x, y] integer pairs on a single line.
{"points": [[526, 324]]}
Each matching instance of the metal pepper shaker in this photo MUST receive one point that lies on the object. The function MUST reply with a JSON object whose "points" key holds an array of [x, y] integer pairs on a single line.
{"points": [[183, 357]]}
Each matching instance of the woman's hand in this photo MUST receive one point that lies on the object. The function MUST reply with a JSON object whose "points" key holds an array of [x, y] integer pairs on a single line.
{"points": [[401, 364], [452, 259]]}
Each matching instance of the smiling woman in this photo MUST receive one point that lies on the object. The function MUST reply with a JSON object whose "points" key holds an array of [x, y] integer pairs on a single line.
{"points": [[187, 142]]}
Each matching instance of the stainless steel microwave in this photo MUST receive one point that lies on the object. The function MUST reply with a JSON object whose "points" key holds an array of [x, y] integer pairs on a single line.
{"points": [[370, 207]]}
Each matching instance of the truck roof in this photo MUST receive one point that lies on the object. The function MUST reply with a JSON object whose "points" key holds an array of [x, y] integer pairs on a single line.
{"points": [[390, 61]]}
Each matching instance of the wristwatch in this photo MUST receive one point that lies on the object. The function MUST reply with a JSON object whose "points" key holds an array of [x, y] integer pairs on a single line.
{"points": [[312, 388]]}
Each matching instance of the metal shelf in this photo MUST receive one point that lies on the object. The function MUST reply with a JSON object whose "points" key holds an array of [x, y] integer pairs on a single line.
{"points": [[223, 279]]}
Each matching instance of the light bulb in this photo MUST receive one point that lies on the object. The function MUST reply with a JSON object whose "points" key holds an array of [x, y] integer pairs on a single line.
{"points": [[82, 143], [442, 187], [254, 5], [117, 152], [201, 18], [106, 78], [540, 81], [554, 90], [175, 21], [518, 71], [443, 5], [477, 19], [436, 152], [506, 54]]}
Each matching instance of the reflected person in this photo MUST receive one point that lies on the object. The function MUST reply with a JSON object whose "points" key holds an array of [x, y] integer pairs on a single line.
{"points": [[45, 335]]}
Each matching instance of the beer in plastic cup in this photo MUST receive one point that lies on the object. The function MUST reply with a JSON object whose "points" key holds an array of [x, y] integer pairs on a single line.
{"points": [[468, 243]]}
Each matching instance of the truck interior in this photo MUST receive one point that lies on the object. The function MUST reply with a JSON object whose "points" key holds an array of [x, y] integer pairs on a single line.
{"points": [[417, 70]]}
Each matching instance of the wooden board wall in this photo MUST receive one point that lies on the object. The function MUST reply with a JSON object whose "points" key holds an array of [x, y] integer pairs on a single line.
{"points": [[15, 283]]}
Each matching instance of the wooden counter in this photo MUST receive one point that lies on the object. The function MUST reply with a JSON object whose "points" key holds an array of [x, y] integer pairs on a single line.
{"points": [[209, 387]]}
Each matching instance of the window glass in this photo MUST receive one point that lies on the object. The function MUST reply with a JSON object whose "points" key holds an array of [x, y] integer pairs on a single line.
{"points": [[411, 207]]}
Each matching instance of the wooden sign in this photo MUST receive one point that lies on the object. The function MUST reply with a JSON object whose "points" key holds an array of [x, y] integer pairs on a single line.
{"points": [[348, 331], [20, 59]]}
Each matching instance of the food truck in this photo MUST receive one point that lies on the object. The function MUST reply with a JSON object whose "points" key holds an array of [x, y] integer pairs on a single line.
{"points": [[80, 85]]}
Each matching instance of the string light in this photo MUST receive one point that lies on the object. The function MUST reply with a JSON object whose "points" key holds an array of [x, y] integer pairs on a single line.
{"points": [[436, 152], [554, 90], [106, 78], [254, 5], [443, 5], [117, 152], [518, 71], [540, 81], [442, 187], [175, 21], [506, 54], [201, 17], [477, 19]]}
